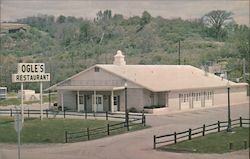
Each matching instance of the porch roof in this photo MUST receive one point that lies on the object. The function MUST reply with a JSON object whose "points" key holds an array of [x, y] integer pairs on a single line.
{"points": [[90, 88]]}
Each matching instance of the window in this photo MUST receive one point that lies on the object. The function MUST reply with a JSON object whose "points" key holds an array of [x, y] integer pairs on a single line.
{"points": [[115, 100], [208, 95], [97, 69], [184, 97], [81, 99], [197, 96]]}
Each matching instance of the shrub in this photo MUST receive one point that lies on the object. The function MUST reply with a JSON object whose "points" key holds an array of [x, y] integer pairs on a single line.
{"points": [[154, 106], [133, 110]]}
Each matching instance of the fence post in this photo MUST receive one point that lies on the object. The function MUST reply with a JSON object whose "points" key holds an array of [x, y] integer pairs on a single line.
{"points": [[230, 146], [47, 113], [108, 129], [240, 121], [245, 144], [218, 126], [189, 134], [66, 136], [144, 120], [88, 133], [86, 115], [64, 113], [154, 141], [107, 117], [127, 121], [10, 112], [203, 131], [175, 138], [28, 113]]}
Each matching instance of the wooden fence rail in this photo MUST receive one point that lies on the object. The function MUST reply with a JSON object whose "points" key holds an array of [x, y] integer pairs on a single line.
{"points": [[52, 114], [92, 133], [200, 131]]}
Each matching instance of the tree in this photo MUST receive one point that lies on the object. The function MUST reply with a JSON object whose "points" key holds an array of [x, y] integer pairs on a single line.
{"points": [[145, 19], [216, 21], [61, 19]]}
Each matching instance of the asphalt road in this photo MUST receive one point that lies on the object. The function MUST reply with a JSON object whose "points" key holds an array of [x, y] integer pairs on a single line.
{"points": [[134, 145]]}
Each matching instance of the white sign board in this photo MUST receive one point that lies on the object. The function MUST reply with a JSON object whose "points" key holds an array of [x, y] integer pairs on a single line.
{"points": [[28, 68], [31, 72], [31, 77]]}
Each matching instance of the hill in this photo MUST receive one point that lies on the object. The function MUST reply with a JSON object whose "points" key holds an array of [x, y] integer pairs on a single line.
{"points": [[68, 45]]}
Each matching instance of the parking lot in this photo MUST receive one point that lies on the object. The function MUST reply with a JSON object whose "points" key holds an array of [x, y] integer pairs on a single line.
{"points": [[134, 145]]}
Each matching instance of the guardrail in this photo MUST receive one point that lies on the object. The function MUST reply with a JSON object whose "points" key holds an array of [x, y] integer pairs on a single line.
{"points": [[200, 131]]}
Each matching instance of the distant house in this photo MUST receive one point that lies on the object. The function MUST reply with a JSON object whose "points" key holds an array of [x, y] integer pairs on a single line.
{"points": [[12, 28], [15, 30], [3, 92], [29, 95], [102, 87]]}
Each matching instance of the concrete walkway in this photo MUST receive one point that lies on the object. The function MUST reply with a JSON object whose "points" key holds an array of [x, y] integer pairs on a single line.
{"points": [[134, 145]]}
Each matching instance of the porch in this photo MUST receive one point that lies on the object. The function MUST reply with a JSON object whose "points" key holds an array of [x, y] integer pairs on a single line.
{"points": [[83, 99]]}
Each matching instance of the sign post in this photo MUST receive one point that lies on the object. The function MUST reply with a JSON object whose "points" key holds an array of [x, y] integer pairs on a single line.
{"points": [[22, 112], [31, 72], [41, 100], [18, 128]]}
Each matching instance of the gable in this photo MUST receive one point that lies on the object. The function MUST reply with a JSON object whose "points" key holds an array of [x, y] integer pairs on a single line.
{"points": [[96, 76]]}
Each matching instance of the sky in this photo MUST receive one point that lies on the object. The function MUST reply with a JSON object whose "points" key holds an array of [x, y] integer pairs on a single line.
{"points": [[186, 9]]}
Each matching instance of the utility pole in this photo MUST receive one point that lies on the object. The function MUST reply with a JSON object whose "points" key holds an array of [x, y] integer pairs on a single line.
{"points": [[179, 53], [244, 69]]}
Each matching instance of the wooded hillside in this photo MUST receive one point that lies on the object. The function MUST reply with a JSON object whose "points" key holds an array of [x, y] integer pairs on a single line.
{"points": [[69, 45]]}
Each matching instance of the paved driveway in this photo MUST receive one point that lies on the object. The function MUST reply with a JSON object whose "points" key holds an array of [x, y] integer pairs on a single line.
{"points": [[134, 145]]}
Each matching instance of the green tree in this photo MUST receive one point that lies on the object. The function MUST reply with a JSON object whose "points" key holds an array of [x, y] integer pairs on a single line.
{"points": [[61, 19], [216, 21], [145, 19]]}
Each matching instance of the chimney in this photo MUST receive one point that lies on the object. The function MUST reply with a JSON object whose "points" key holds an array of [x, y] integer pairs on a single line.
{"points": [[119, 59]]}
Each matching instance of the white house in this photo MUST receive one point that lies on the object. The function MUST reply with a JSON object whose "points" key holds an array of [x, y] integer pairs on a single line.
{"points": [[175, 87], [29, 95]]}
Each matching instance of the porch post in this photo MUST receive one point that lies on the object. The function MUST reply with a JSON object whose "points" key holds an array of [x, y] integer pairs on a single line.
{"points": [[78, 109], [94, 101], [62, 101], [112, 101]]}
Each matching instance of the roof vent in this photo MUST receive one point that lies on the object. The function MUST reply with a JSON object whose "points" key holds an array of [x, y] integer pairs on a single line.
{"points": [[119, 59]]}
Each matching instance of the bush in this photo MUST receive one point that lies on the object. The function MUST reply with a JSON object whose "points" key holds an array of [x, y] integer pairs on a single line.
{"points": [[154, 106], [133, 110]]}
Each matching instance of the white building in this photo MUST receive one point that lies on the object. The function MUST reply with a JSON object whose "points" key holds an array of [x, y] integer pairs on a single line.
{"points": [[175, 87], [29, 95]]}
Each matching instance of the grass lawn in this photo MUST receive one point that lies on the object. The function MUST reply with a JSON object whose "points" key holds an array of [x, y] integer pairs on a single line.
{"points": [[212, 143], [17, 101], [46, 131]]}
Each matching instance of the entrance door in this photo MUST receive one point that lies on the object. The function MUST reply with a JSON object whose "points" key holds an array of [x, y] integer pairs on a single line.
{"points": [[116, 102], [81, 103], [99, 103]]}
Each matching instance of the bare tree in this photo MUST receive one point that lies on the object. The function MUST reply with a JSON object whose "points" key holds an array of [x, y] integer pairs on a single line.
{"points": [[217, 20]]}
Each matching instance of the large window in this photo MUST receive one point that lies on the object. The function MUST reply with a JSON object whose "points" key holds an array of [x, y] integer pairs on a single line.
{"points": [[184, 97], [208, 95], [197, 96]]}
